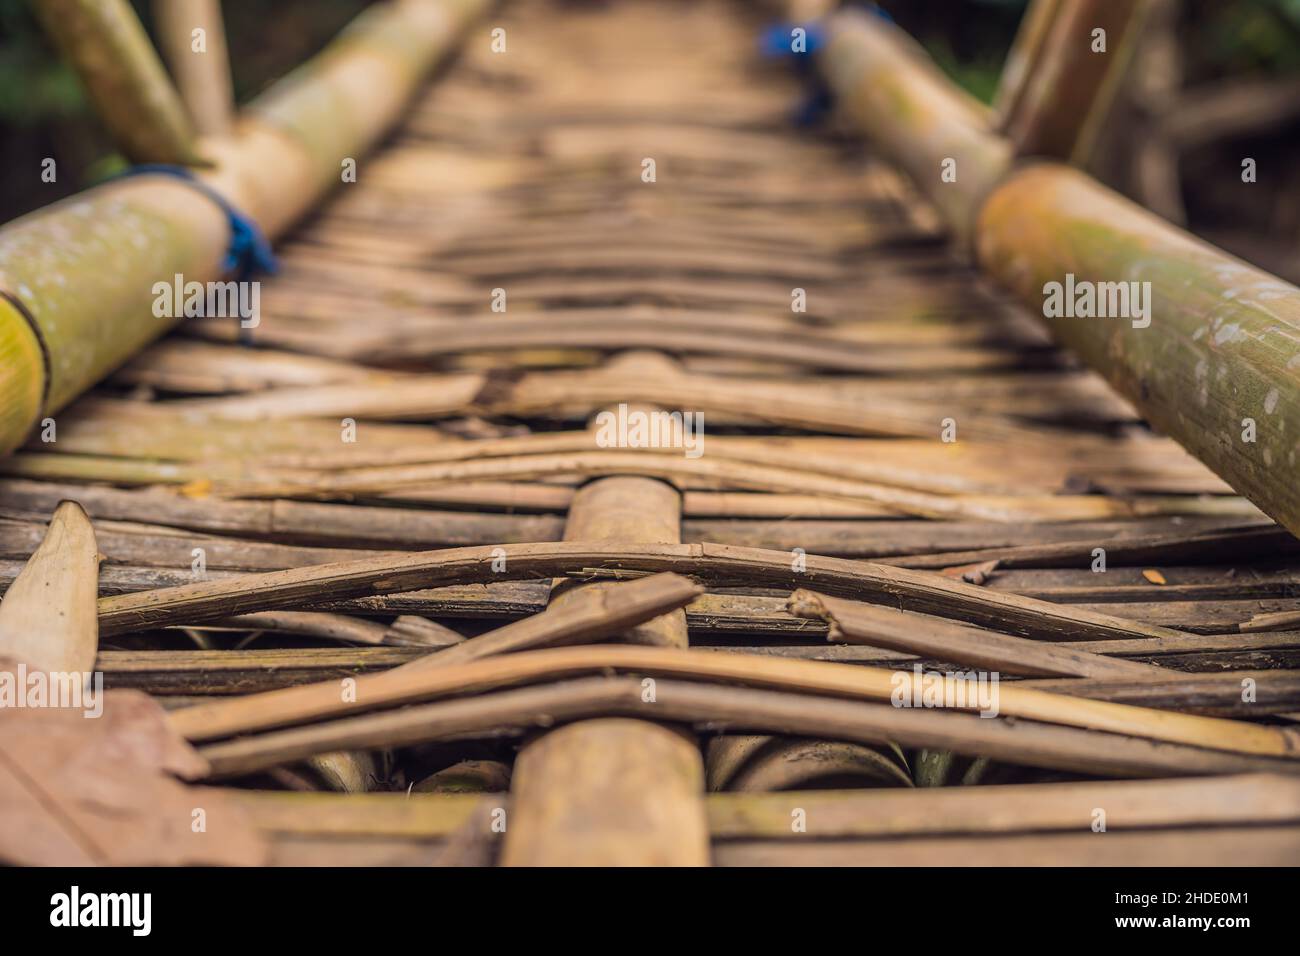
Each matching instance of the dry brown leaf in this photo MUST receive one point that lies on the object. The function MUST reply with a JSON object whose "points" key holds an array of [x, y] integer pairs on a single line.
{"points": [[79, 791]]}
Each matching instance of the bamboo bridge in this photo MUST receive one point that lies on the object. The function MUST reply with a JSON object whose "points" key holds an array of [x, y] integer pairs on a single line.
{"points": [[390, 569]]}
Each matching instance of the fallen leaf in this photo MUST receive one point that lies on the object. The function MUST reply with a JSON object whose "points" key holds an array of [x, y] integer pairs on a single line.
{"points": [[1155, 577], [83, 791]]}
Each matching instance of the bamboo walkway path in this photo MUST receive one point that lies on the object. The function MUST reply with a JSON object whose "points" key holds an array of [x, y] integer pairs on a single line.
{"points": [[386, 466]]}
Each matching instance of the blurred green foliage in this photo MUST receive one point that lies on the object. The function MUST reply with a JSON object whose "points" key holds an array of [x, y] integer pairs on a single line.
{"points": [[44, 111], [34, 85], [968, 39], [1245, 37]]}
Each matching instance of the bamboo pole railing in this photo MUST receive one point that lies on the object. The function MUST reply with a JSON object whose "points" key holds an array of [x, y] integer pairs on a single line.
{"points": [[1023, 58], [107, 46], [203, 74], [1216, 368], [1059, 100], [76, 278]]}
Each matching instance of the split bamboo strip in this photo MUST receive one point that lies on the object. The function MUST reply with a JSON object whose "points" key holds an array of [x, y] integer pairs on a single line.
{"points": [[403, 686], [1024, 742], [857, 623], [1208, 847], [924, 591], [331, 627], [220, 673], [591, 613], [1021, 808]]}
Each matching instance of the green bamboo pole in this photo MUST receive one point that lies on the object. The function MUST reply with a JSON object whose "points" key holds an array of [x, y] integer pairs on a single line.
{"points": [[22, 373], [105, 43], [1218, 366], [202, 74], [887, 87], [1223, 347], [84, 269], [1023, 58], [1068, 88]]}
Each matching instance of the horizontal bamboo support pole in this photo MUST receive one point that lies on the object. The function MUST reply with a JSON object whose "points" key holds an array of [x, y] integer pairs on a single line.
{"points": [[886, 87], [84, 269], [1216, 368], [22, 374], [133, 95]]}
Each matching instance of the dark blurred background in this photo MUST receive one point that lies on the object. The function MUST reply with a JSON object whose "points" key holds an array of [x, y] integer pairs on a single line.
{"points": [[1214, 82]]}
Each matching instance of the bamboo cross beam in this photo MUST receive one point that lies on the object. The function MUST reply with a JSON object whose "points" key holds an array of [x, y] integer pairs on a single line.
{"points": [[67, 320], [1203, 344]]}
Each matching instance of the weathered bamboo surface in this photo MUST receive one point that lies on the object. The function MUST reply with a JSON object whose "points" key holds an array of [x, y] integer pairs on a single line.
{"points": [[383, 536]]}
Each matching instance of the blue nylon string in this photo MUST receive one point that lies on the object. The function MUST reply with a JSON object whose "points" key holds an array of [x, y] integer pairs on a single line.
{"points": [[775, 42], [249, 252]]}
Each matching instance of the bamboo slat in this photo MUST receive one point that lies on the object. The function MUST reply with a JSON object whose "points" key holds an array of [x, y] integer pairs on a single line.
{"points": [[384, 563]]}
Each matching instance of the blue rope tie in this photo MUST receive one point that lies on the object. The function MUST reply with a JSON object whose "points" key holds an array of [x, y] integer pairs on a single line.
{"points": [[777, 42], [249, 252]]}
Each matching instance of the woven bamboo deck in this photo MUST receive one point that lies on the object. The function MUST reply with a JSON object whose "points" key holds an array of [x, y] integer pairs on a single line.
{"points": [[386, 469]]}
